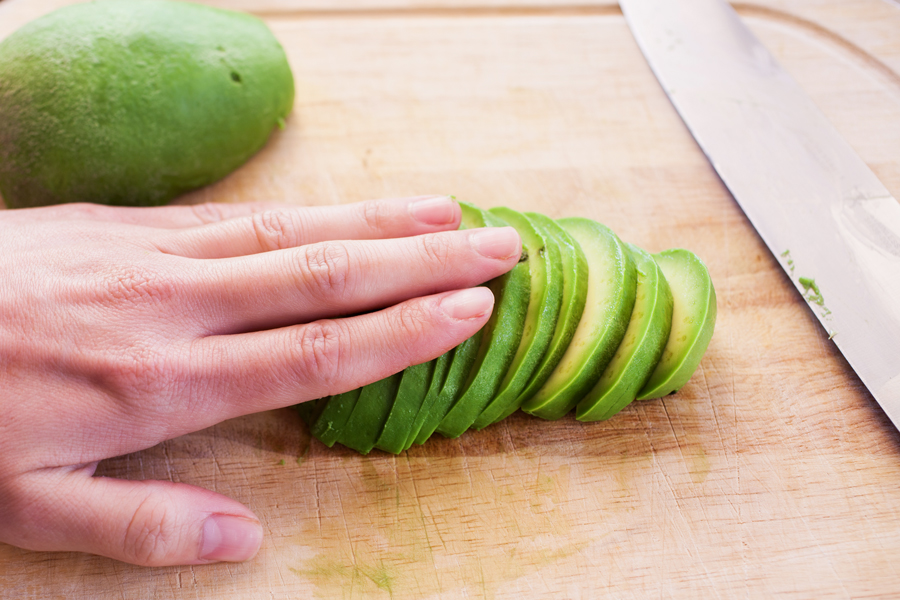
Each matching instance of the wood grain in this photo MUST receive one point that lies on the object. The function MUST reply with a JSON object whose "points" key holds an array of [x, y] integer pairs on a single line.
{"points": [[772, 473]]}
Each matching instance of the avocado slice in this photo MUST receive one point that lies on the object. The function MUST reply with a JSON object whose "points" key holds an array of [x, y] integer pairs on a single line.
{"points": [[540, 319], [462, 357], [500, 340], [439, 374], [575, 277], [460, 365], [414, 383], [309, 411], [337, 410], [370, 414], [693, 322], [640, 350], [610, 300]]}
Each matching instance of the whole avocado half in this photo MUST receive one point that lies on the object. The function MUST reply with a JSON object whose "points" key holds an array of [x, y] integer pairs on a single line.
{"points": [[134, 103]]}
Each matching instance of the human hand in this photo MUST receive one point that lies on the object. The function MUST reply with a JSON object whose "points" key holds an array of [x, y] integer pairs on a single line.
{"points": [[123, 327]]}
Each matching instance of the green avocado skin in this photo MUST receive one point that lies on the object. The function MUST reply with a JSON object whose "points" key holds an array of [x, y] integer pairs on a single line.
{"points": [[134, 103]]}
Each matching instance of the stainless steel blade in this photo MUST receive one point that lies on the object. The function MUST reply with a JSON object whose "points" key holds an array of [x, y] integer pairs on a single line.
{"points": [[818, 207]]}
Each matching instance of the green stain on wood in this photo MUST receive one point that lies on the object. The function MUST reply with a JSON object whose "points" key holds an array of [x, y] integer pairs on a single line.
{"points": [[363, 578]]}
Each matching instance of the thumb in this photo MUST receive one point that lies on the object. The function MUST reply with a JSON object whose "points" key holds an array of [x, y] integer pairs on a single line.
{"points": [[150, 523]]}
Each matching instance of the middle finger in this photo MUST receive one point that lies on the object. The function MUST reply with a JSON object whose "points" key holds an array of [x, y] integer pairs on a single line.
{"points": [[332, 279]]}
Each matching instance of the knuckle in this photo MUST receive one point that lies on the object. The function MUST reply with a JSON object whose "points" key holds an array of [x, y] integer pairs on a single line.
{"points": [[375, 214], [136, 284], [141, 371], [327, 267], [409, 323], [318, 348], [208, 212], [436, 251], [85, 210], [275, 230], [149, 537]]}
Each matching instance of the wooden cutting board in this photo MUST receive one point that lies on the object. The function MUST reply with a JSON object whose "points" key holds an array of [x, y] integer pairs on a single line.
{"points": [[773, 472]]}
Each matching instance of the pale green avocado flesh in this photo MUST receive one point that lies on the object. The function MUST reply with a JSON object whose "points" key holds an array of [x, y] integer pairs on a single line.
{"points": [[610, 299], [501, 336], [693, 322], [540, 320], [640, 350], [575, 277]]}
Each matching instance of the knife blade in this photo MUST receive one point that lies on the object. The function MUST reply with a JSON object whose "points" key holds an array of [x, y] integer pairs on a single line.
{"points": [[831, 224]]}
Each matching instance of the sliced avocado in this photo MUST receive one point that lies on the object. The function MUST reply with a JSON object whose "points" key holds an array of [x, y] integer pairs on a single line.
{"points": [[640, 350], [610, 300], [575, 278], [463, 356], [370, 414], [439, 374], [540, 320], [334, 416], [500, 340], [693, 322], [460, 365], [414, 383], [311, 409]]}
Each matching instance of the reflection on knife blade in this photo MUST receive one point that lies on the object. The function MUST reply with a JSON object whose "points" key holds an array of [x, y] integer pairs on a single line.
{"points": [[800, 184]]}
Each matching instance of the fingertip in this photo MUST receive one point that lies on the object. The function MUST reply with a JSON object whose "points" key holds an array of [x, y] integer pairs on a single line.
{"points": [[472, 303], [229, 538], [499, 243], [149, 523], [435, 210]]}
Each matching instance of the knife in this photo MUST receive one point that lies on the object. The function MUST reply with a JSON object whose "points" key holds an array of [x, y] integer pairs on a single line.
{"points": [[828, 220]]}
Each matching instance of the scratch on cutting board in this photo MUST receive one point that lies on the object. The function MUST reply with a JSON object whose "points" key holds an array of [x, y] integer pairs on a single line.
{"points": [[421, 512], [696, 459]]}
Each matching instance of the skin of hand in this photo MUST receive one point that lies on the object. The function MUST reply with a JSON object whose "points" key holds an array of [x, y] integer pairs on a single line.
{"points": [[124, 327]]}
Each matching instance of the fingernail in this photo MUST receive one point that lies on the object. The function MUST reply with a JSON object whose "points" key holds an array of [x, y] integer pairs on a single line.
{"points": [[437, 210], [497, 242], [468, 304], [230, 539]]}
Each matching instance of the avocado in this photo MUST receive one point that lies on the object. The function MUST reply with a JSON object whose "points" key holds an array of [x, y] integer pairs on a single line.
{"points": [[461, 362], [370, 414], [610, 300], [410, 394], [582, 321], [334, 411], [693, 322], [640, 350], [464, 356], [575, 277], [438, 376], [540, 319], [310, 410], [134, 103], [500, 340]]}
